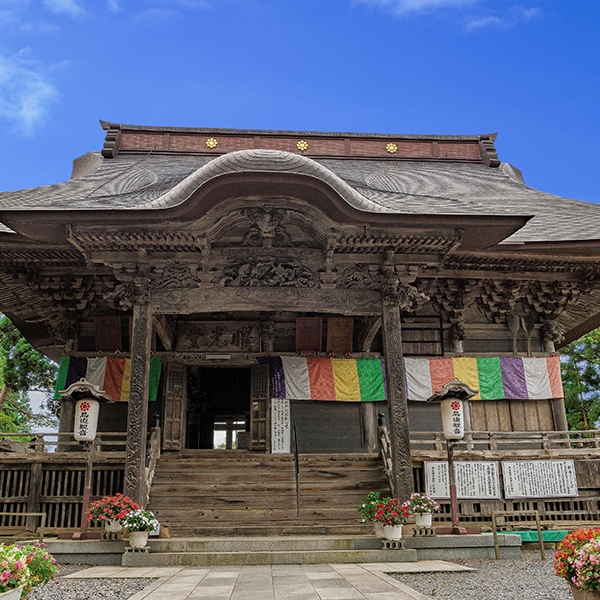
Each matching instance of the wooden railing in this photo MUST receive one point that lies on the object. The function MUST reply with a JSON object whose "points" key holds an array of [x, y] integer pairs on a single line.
{"points": [[385, 451], [45, 472], [27, 443], [508, 440], [152, 459]]}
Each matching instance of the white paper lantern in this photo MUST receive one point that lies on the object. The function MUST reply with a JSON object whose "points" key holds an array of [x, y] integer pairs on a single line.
{"points": [[453, 419], [86, 420]]}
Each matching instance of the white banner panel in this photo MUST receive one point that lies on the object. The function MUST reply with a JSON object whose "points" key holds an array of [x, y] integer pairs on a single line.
{"points": [[281, 426], [474, 480], [539, 479]]}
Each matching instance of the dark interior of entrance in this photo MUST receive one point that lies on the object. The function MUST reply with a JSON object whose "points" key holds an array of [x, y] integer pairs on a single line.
{"points": [[218, 407]]}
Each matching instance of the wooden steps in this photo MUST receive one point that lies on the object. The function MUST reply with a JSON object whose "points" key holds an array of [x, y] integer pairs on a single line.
{"points": [[224, 493]]}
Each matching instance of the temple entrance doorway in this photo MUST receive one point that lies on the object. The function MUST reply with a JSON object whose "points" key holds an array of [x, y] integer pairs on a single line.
{"points": [[218, 408]]}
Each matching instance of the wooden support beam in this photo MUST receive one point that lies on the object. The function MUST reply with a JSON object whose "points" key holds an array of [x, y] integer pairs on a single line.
{"points": [[165, 331]]}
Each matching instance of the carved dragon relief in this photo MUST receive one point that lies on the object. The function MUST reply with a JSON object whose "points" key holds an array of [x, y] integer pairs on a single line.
{"points": [[175, 275], [267, 272], [366, 277]]}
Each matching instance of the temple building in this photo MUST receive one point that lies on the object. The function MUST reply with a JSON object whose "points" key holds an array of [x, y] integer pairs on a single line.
{"points": [[271, 290]]}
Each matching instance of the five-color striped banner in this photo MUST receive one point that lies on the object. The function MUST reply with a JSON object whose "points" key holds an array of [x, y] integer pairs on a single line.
{"points": [[111, 374], [341, 379], [496, 377]]}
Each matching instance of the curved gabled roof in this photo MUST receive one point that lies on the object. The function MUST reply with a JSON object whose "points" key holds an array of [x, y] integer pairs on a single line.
{"points": [[262, 161], [150, 182]]}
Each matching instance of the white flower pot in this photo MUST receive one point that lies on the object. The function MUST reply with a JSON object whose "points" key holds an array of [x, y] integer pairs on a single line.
{"points": [[12, 594], [423, 520], [379, 529], [392, 532], [138, 539], [112, 526]]}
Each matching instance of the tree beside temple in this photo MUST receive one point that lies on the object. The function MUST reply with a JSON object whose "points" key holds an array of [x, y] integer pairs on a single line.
{"points": [[580, 365], [22, 369]]}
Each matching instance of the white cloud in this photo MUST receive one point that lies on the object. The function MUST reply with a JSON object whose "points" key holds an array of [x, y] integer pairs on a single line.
{"points": [[67, 7], [25, 96], [112, 5], [513, 17], [403, 7]]}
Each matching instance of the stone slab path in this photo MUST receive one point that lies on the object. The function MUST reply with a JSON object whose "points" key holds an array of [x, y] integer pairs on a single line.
{"points": [[275, 582]]}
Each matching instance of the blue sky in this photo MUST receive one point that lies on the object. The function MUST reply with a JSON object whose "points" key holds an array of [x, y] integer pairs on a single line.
{"points": [[528, 69]]}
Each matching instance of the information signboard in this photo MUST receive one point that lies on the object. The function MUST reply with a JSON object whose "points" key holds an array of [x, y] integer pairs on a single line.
{"points": [[280, 426], [539, 479], [474, 480]]}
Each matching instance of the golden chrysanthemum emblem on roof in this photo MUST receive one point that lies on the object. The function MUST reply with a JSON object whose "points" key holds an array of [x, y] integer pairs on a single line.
{"points": [[211, 143], [302, 145], [391, 148]]}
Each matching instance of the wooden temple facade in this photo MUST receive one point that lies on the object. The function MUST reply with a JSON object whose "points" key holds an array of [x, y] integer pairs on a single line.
{"points": [[216, 252]]}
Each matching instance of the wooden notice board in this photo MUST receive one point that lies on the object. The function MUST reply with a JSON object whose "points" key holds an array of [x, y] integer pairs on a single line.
{"points": [[309, 334], [339, 334]]}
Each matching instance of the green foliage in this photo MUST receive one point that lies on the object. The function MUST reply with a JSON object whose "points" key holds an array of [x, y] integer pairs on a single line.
{"points": [[580, 366], [25, 368], [22, 369]]}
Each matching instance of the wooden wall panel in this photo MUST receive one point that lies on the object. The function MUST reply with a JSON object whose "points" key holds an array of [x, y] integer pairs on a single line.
{"points": [[545, 415], [491, 415], [519, 419]]}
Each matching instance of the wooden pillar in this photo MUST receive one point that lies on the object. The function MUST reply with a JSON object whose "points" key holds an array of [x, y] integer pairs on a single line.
{"points": [[560, 415], [137, 413], [397, 402], [65, 425], [369, 418], [35, 491]]}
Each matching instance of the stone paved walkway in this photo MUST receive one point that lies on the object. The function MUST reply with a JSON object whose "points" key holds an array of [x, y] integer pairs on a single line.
{"points": [[275, 582]]}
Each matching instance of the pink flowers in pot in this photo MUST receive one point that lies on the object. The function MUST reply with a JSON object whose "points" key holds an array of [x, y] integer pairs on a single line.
{"points": [[577, 559], [587, 567], [421, 504], [25, 566]]}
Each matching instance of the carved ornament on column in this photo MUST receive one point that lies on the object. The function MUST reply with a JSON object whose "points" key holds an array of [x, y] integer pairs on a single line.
{"points": [[126, 295], [552, 332], [397, 289]]}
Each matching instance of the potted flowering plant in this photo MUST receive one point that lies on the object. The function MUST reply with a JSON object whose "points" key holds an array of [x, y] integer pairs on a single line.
{"points": [[393, 514], [422, 505], [139, 523], [111, 510], [367, 510], [578, 561], [24, 567]]}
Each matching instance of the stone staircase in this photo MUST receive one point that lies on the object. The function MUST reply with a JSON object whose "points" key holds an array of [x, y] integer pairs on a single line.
{"points": [[272, 550], [240, 493]]}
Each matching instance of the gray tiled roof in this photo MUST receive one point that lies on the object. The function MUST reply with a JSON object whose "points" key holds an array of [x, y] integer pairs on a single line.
{"points": [[406, 187]]}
